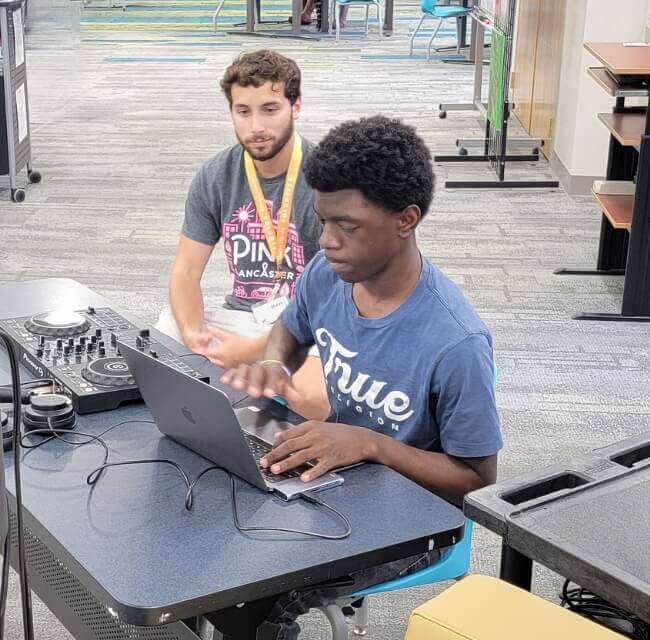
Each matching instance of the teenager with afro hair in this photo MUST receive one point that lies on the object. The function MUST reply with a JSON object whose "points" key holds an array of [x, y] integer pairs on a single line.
{"points": [[408, 363]]}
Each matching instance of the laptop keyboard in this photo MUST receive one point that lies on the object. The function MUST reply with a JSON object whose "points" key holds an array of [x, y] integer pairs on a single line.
{"points": [[259, 449]]}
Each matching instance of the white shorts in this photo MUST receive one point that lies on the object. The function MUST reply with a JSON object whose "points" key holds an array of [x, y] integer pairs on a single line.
{"points": [[241, 323]]}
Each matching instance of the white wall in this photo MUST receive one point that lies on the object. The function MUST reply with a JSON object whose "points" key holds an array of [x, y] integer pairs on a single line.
{"points": [[581, 141]]}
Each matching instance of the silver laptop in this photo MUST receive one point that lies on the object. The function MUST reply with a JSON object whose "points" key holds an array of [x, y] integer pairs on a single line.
{"points": [[201, 418]]}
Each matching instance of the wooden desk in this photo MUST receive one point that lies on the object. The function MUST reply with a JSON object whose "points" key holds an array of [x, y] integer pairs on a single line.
{"points": [[617, 208], [627, 128], [624, 247], [621, 60], [610, 85]]}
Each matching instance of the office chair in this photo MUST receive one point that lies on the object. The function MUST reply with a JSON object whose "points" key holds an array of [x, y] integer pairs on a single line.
{"points": [[454, 564], [338, 5], [432, 8]]}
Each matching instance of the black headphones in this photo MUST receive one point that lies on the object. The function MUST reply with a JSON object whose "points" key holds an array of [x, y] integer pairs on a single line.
{"points": [[44, 411]]}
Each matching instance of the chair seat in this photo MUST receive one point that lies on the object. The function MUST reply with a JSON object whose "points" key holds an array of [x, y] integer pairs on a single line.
{"points": [[453, 565], [448, 12], [485, 608]]}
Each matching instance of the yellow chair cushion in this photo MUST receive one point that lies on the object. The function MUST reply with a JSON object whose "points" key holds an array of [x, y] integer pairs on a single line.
{"points": [[484, 608]]}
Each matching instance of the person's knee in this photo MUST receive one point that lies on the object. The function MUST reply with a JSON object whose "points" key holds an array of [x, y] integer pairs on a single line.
{"points": [[167, 324]]}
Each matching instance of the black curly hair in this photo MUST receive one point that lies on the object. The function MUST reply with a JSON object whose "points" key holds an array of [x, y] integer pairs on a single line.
{"points": [[381, 157]]}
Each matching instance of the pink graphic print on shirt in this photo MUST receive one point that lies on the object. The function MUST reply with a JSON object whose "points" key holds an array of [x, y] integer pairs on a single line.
{"points": [[249, 259]]}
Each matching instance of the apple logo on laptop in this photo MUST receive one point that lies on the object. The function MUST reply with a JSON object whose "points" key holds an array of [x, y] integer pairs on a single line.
{"points": [[187, 414]]}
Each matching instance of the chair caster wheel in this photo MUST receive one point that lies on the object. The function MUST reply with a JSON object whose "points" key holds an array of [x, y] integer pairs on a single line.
{"points": [[17, 195], [442, 115], [462, 151], [536, 151], [34, 177]]}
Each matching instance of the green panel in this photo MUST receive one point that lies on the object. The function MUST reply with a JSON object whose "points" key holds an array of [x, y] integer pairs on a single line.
{"points": [[497, 80]]}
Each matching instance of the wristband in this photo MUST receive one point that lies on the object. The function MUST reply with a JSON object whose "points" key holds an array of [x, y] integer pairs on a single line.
{"points": [[278, 362]]}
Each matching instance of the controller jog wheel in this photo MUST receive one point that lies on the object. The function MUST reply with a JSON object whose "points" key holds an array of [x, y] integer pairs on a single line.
{"points": [[108, 372]]}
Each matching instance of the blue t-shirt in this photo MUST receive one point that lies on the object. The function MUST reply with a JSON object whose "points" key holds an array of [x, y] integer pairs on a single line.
{"points": [[422, 374]]}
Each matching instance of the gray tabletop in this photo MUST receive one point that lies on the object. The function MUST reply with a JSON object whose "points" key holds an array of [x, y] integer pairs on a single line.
{"points": [[599, 535], [587, 519], [135, 547]]}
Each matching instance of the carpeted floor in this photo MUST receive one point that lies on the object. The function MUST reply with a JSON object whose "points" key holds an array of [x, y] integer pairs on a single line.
{"points": [[124, 109]]}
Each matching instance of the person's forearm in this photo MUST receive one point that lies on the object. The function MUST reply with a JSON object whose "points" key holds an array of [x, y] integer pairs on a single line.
{"points": [[282, 346], [186, 300], [438, 472]]}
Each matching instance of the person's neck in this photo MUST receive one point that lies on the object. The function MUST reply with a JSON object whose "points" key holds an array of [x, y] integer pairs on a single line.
{"points": [[278, 164], [385, 292]]}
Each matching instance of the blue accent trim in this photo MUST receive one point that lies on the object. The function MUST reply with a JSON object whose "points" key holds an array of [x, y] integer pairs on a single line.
{"points": [[454, 564], [431, 7], [166, 43], [201, 7], [120, 59], [405, 56]]}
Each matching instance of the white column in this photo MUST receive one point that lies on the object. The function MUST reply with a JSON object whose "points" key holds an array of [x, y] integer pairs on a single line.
{"points": [[581, 141]]}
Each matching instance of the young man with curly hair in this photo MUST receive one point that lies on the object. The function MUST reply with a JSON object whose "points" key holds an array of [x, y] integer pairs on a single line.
{"points": [[252, 196], [407, 361]]}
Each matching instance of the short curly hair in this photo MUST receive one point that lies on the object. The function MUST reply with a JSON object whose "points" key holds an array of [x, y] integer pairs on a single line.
{"points": [[381, 157], [258, 67]]}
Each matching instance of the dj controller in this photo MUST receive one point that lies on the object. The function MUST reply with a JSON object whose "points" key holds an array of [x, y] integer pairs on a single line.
{"points": [[78, 352]]}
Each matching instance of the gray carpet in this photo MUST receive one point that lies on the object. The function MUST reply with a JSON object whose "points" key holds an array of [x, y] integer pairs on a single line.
{"points": [[122, 119]]}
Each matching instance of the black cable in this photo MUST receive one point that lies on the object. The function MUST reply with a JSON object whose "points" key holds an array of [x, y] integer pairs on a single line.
{"points": [[29, 384], [54, 433], [4, 586], [200, 355], [591, 606], [94, 475], [90, 437], [27, 390], [309, 497], [119, 424], [28, 620]]}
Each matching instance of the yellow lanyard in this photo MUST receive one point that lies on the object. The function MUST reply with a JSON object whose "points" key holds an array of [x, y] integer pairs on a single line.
{"points": [[276, 241]]}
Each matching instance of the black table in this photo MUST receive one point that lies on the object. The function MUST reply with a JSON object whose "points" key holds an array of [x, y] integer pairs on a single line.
{"points": [[588, 520], [127, 555]]}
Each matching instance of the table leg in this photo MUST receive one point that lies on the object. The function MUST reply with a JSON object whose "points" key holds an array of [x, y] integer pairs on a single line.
{"points": [[636, 299], [250, 15], [325, 16], [296, 10], [388, 18], [241, 623], [516, 568], [462, 41]]}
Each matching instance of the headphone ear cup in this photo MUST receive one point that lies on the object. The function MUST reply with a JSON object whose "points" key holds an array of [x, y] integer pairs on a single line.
{"points": [[49, 410]]}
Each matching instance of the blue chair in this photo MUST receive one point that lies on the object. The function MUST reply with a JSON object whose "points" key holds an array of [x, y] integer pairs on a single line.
{"points": [[431, 8], [453, 565]]}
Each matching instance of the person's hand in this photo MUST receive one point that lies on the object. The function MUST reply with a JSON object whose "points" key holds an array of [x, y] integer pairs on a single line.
{"points": [[199, 342], [268, 378], [327, 445], [232, 350]]}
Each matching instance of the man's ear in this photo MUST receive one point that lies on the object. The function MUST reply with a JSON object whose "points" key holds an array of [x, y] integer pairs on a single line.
{"points": [[408, 219], [296, 107]]}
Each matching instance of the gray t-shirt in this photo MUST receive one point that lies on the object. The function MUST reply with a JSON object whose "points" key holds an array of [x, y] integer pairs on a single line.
{"points": [[219, 205]]}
